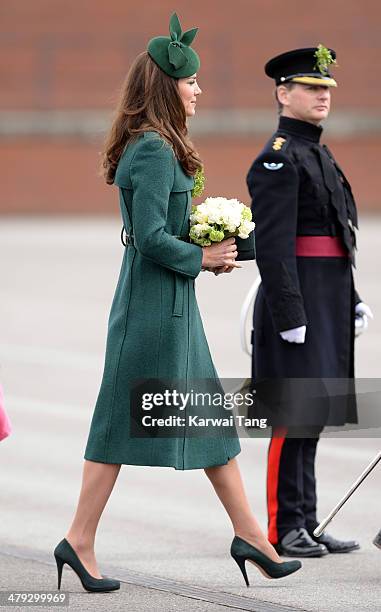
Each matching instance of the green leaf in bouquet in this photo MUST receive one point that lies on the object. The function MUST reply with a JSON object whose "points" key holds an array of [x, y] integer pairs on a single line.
{"points": [[246, 214], [216, 235], [199, 183]]}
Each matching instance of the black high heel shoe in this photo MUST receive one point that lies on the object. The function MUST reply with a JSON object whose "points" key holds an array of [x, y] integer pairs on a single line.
{"points": [[242, 551], [64, 553]]}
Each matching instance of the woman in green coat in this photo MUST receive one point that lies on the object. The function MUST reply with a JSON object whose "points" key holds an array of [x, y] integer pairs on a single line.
{"points": [[155, 330]]}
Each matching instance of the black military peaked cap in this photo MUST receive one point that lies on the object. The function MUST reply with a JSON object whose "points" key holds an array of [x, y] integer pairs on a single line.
{"points": [[309, 66]]}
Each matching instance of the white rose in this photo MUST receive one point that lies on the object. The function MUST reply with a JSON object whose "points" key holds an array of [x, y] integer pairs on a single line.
{"points": [[245, 229]]}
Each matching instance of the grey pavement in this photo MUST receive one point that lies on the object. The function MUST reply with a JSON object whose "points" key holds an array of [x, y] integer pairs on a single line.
{"points": [[164, 532], [33, 575]]}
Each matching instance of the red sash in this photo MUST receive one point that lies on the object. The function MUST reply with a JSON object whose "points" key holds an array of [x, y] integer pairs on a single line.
{"points": [[320, 246]]}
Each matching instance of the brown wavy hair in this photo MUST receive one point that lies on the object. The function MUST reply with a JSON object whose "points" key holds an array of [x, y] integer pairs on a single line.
{"points": [[149, 101]]}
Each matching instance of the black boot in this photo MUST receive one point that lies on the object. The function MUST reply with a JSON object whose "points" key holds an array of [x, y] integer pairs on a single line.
{"points": [[297, 543], [336, 546]]}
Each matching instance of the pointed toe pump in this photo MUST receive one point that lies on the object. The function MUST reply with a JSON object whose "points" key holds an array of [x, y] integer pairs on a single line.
{"points": [[242, 551], [64, 553]]}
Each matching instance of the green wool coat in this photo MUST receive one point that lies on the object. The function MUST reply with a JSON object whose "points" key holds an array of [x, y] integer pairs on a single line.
{"points": [[155, 330]]}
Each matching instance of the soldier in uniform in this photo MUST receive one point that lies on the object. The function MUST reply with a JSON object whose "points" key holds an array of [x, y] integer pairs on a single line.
{"points": [[305, 309]]}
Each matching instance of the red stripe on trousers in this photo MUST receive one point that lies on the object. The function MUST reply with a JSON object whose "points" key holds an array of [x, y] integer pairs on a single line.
{"points": [[273, 461]]}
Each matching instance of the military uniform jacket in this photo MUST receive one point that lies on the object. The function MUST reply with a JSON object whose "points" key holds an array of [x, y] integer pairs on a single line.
{"points": [[298, 189]]}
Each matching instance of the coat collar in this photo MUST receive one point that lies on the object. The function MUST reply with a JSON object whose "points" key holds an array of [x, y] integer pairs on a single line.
{"points": [[300, 128]]}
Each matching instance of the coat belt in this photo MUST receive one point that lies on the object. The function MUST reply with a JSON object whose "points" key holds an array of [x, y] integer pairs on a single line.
{"points": [[179, 285], [127, 239]]}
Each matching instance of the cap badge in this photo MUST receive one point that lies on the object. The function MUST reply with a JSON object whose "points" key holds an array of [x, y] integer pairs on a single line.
{"points": [[323, 59]]}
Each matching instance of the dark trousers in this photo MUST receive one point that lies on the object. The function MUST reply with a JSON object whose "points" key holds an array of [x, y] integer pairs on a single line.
{"points": [[291, 484]]}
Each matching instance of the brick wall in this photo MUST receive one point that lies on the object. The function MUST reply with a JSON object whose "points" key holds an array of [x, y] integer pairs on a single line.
{"points": [[73, 53], [66, 54], [61, 176]]}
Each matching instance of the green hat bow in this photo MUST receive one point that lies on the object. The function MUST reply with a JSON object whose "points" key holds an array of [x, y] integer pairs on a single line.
{"points": [[179, 40], [173, 54]]}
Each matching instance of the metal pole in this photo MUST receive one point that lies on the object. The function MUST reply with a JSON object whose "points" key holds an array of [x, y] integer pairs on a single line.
{"points": [[320, 528]]}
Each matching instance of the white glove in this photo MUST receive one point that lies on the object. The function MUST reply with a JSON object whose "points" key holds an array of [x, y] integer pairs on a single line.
{"points": [[297, 334], [362, 313]]}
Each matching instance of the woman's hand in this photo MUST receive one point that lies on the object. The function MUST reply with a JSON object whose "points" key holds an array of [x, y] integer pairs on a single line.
{"points": [[225, 269], [220, 255]]}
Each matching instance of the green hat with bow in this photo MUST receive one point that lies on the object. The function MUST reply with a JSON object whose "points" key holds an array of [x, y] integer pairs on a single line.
{"points": [[173, 53]]}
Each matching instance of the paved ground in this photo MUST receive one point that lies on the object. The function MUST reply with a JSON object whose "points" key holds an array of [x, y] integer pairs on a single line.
{"points": [[163, 533]]}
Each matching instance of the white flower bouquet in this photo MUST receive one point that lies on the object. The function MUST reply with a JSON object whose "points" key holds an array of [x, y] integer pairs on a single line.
{"points": [[219, 218]]}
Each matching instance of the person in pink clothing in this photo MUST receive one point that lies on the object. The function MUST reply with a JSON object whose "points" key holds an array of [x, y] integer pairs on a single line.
{"points": [[5, 424]]}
